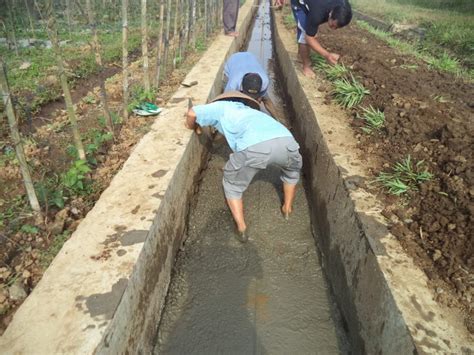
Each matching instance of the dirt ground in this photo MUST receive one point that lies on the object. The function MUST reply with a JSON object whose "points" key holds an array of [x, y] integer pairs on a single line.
{"points": [[25, 254], [429, 116]]}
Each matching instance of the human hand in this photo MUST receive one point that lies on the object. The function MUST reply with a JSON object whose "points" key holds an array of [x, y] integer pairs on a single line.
{"points": [[332, 58]]}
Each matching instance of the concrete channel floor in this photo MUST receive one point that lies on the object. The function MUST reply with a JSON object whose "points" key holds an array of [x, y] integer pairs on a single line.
{"points": [[268, 296]]}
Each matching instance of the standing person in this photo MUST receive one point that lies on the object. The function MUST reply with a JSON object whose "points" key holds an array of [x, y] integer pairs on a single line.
{"points": [[257, 141], [244, 73], [309, 14], [230, 12]]}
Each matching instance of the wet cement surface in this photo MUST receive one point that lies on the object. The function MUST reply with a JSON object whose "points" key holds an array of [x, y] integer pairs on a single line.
{"points": [[268, 296]]}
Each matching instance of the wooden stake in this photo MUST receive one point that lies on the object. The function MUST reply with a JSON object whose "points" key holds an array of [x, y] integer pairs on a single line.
{"points": [[5, 91], [98, 61], [125, 57]]}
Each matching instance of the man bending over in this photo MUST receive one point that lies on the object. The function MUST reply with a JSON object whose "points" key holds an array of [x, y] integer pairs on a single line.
{"points": [[257, 141], [309, 14], [244, 73]]}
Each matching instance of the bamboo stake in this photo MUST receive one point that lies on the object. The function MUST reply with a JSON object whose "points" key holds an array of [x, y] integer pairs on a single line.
{"points": [[30, 19], [146, 74], [187, 9], [206, 18], [192, 22], [53, 36], [175, 32], [159, 45], [125, 57], [181, 30], [167, 37], [68, 17], [12, 24], [98, 61], [25, 172]]}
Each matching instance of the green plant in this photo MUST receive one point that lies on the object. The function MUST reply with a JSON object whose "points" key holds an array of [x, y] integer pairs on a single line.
{"points": [[349, 92], [89, 99], [200, 44], [374, 119], [96, 139], [405, 175], [75, 178], [393, 184], [318, 61], [178, 60], [50, 192], [8, 156], [116, 119], [445, 63], [29, 229], [440, 99], [338, 71]]}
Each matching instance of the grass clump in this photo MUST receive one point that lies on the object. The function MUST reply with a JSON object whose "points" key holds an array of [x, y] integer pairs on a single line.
{"points": [[349, 92], [374, 119], [318, 61], [405, 175], [444, 63], [335, 72]]}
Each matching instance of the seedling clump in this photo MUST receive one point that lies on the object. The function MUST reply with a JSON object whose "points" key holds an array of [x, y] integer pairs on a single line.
{"points": [[349, 92], [374, 119], [405, 175], [338, 71]]}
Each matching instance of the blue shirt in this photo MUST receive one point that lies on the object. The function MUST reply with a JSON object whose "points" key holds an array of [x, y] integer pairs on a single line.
{"points": [[241, 125], [238, 65]]}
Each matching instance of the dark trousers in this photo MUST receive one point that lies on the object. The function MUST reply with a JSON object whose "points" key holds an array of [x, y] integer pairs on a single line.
{"points": [[229, 15]]}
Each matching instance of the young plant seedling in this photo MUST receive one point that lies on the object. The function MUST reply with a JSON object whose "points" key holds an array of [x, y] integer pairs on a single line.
{"points": [[374, 119], [444, 63], [338, 71], [405, 175], [318, 62], [349, 92]]}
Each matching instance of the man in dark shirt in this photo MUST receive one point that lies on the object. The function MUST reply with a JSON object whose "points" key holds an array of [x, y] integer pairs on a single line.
{"points": [[309, 14]]}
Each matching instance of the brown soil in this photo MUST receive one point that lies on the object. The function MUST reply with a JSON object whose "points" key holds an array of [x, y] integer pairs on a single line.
{"points": [[429, 115], [24, 256]]}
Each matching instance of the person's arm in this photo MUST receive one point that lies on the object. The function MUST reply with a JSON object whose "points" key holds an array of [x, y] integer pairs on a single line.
{"points": [[270, 107], [190, 121], [315, 18], [332, 58]]}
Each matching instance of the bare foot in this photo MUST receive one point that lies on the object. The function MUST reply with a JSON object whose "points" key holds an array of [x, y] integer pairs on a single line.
{"points": [[286, 213], [232, 34], [308, 72]]}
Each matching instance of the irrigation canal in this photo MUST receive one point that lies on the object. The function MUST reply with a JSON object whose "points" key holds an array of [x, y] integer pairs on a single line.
{"points": [[267, 296]]}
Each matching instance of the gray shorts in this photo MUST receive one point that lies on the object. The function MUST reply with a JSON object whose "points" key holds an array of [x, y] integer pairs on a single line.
{"points": [[242, 166]]}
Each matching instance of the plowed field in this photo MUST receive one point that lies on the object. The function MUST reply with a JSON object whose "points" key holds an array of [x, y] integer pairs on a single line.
{"points": [[430, 116]]}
